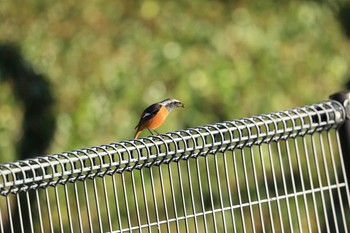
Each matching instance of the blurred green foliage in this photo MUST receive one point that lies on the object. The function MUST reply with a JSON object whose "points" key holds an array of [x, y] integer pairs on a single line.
{"points": [[108, 60]]}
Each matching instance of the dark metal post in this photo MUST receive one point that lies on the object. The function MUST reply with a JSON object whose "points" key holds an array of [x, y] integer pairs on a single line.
{"points": [[344, 130]]}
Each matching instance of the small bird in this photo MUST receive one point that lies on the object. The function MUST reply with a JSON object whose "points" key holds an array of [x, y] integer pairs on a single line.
{"points": [[153, 116]]}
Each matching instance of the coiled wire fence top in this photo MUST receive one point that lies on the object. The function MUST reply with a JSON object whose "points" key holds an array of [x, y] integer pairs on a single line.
{"points": [[278, 172]]}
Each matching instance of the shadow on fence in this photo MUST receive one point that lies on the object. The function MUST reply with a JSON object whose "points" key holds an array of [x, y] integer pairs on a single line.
{"points": [[33, 92]]}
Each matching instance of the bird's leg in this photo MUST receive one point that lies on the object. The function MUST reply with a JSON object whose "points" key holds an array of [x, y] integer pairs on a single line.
{"points": [[156, 131], [150, 131]]}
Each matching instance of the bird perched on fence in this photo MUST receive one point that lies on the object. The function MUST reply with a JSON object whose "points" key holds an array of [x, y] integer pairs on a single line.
{"points": [[153, 116]]}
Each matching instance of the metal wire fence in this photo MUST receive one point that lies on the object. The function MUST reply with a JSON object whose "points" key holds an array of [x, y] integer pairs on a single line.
{"points": [[277, 172]]}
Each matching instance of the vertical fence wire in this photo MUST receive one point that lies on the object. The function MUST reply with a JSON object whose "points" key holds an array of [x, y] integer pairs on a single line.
{"points": [[278, 172], [345, 197]]}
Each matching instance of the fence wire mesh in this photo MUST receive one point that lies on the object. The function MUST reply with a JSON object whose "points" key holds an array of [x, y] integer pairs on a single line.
{"points": [[278, 172]]}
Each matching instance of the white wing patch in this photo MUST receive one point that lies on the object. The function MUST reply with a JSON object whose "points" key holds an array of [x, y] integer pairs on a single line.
{"points": [[146, 114]]}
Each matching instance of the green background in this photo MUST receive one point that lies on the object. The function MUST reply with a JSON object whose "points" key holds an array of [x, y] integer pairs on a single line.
{"points": [[108, 60]]}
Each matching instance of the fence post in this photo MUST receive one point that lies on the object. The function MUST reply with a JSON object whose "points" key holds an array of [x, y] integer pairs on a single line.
{"points": [[344, 130]]}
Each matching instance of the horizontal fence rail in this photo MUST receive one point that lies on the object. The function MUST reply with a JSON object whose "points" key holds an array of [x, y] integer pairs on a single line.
{"points": [[277, 172]]}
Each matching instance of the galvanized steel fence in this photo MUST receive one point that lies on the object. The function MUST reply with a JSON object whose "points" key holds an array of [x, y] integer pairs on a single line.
{"points": [[277, 172]]}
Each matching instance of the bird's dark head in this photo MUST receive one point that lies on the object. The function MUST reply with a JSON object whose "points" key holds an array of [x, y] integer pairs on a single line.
{"points": [[170, 104]]}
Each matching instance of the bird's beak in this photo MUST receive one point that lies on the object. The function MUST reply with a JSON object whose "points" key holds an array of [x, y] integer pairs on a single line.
{"points": [[181, 105]]}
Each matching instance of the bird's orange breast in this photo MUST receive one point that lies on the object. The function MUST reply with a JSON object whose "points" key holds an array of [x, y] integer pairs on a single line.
{"points": [[157, 120]]}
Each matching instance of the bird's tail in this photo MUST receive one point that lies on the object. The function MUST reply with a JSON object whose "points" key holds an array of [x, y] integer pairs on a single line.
{"points": [[137, 133]]}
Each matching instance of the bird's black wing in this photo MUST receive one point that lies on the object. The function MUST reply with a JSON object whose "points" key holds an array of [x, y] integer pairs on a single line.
{"points": [[149, 113]]}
